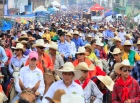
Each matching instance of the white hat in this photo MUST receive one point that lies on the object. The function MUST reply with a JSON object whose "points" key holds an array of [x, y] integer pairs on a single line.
{"points": [[107, 81], [81, 50], [128, 36], [41, 27], [69, 34], [71, 98], [69, 67], [116, 38], [86, 28], [127, 42], [89, 46], [23, 32], [95, 29], [100, 35], [19, 46], [121, 27], [105, 27], [39, 42], [53, 46], [84, 66], [89, 36], [116, 51], [117, 66], [76, 32], [99, 43], [46, 28]]}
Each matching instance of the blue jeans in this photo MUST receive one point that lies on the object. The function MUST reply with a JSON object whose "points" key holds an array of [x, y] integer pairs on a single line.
{"points": [[18, 96]]}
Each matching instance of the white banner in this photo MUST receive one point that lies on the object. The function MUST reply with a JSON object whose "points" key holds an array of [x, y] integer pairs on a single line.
{"points": [[22, 7]]}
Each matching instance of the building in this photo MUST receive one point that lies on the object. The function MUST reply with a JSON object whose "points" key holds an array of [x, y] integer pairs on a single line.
{"points": [[125, 6], [2, 4]]}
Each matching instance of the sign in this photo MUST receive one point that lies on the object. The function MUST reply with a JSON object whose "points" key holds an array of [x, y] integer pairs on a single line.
{"points": [[22, 8]]}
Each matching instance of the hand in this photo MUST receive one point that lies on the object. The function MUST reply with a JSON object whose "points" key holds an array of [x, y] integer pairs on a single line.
{"points": [[37, 93]]}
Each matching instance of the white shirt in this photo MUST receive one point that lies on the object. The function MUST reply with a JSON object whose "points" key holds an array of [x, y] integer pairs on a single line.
{"points": [[121, 35], [72, 48], [74, 88], [29, 79]]}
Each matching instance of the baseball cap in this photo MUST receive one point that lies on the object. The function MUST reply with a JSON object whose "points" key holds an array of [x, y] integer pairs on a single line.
{"points": [[33, 54]]}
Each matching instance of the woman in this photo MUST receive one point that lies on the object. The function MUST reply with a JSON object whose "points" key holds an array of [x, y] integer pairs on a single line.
{"points": [[26, 46], [19, 58], [90, 54], [56, 58], [105, 85], [89, 87]]}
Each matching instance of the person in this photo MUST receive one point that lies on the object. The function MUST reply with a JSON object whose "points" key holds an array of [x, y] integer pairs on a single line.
{"points": [[126, 89], [39, 45], [56, 57], [129, 54], [96, 51], [29, 76], [46, 34], [88, 39], [26, 50], [68, 75], [109, 32], [72, 46], [36, 35], [89, 87], [105, 85], [138, 47], [122, 33], [90, 54], [77, 40]]}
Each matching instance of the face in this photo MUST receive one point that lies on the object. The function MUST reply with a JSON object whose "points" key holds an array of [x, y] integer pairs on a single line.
{"points": [[127, 47], [32, 62], [88, 50], [37, 32], [18, 51], [84, 74], [40, 49], [61, 38], [52, 51], [80, 56], [75, 35], [138, 45], [68, 77], [118, 43], [117, 56], [67, 38], [125, 71], [94, 45], [122, 30], [102, 86]]}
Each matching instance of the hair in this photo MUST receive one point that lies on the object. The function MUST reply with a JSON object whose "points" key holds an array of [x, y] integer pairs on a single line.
{"points": [[93, 41], [23, 101]]}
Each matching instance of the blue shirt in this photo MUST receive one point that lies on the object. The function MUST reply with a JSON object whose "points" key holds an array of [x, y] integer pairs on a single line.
{"points": [[26, 52], [110, 34], [78, 42], [97, 53], [3, 56], [64, 48], [16, 62]]}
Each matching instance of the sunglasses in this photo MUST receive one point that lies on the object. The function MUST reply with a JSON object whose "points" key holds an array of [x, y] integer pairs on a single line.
{"points": [[128, 45], [81, 54], [125, 70], [84, 71], [69, 74], [17, 49], [41, 47]]}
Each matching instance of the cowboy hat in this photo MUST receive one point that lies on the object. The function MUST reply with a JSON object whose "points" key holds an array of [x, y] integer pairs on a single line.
{"points": [[117, 66], [31, 39], [53, 46], [69, 34], [32, 27], [116, 51], [111, 26], [87, 28], [128, 36], [39, 42], [107, 81], [89, 36], [23, 36], [84, 66], [95, 29], [69, 67], [81, 50], [71, 98], [76, 32], [23, 42], [19, 46], [46, 28], [100, 35], [121, 27], [99, 43], [101, 29], [57, 96], [116, 38], [105, 27], [41, 27], [89, 46], [116, 32], [127, 42]]}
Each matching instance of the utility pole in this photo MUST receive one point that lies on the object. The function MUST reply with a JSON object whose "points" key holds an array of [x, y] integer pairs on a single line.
{"points": [[108, 4], [133, 1], [123, 8]]}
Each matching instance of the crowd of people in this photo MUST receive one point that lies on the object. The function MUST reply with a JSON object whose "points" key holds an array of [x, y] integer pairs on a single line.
{"points": [[77, 61]]}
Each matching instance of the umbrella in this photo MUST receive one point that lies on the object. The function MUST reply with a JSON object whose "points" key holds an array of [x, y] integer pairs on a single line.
{"points": [[96, 7]]}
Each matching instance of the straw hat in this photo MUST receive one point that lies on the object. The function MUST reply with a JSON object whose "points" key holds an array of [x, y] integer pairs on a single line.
{"points": [[100, 35], [89, 36], [101, 29], [121, 27], [31, 39], [81, 50], [116, 38], [110, 26], [71, 98], [57, 96], [69, 34], [128, 36], [107, 81], [105, 27], [138, 42], [23, 42], [32, 27], [84, 66], [116, 51], [53, 46], [76, 32], [95, 29], [127, 42], [19, 46], [99, 43], [89, 46], [116, 32], [117, 66], [46, 28], [39, 42], [69, 67]]}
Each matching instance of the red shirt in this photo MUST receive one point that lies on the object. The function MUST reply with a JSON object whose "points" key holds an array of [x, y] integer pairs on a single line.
{"points": [[9, 54], [134, 92]]}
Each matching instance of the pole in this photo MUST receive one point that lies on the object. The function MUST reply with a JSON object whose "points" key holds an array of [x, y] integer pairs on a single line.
{"points": [[123, 9], [3, 7], [133, 1]]}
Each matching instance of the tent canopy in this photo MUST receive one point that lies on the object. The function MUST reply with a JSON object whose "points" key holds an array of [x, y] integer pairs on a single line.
{"points": [[55, 3], [53, 9], [63, 7], [96, 7], [110, 12], [40, 8]]}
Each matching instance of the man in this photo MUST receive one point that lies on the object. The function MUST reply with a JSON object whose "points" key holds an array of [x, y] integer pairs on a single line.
{"points": [[36, 35], [129, 54], [96, 51], [39, 45], [63, 47], [77, 40], [126, 89], [109, 32], [122, 33], [68, 74], [29, 76], [89, 87]]}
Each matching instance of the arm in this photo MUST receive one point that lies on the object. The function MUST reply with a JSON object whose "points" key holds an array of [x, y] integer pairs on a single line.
{"points": [[42, 85], [4, 57], [67, 54], [114, 95], [50, 63], [10, 68], [96, 92]]}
